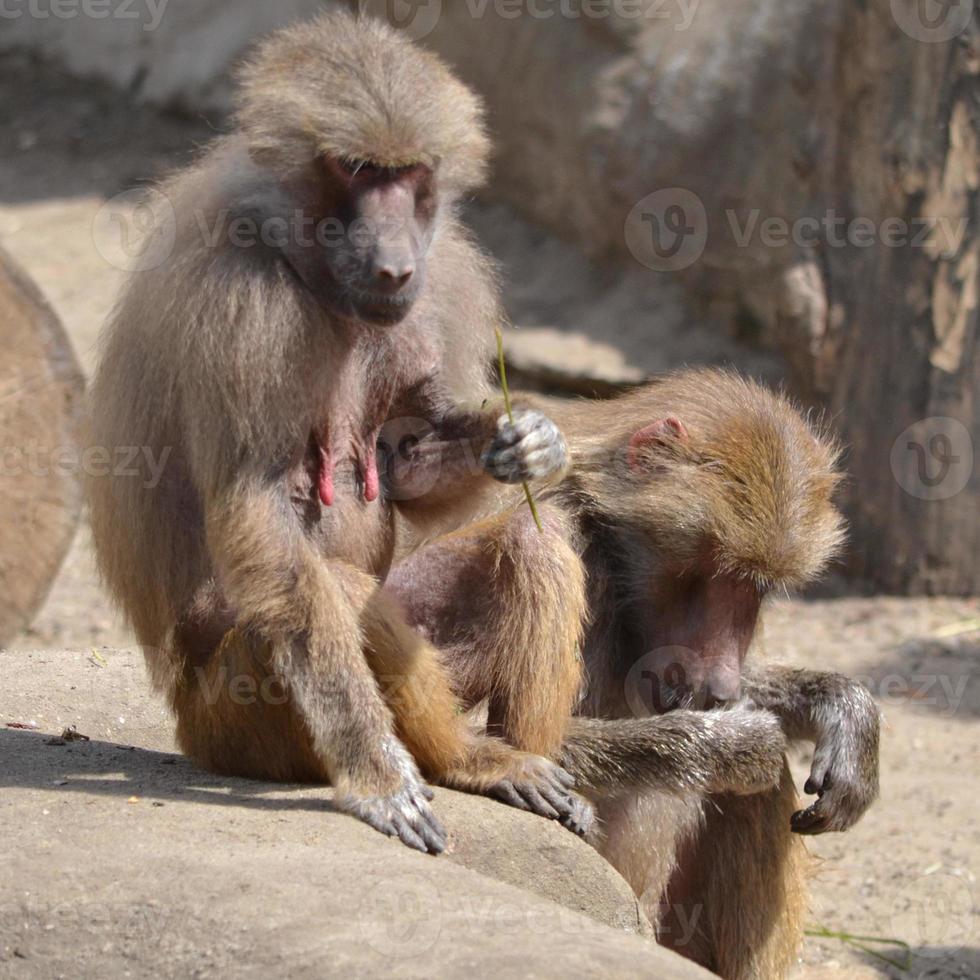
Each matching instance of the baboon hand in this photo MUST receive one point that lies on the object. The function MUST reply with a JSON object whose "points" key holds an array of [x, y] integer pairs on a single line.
{"points": [[404, 814], [844, 773], [546, 789], [747, 748], [530, 448]]}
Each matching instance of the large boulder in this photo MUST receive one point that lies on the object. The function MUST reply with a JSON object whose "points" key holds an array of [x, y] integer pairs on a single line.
{"points": [[120, 855]]}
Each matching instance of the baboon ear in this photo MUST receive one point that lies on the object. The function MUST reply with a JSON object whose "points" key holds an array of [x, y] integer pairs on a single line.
{"points": [[660, 433]]}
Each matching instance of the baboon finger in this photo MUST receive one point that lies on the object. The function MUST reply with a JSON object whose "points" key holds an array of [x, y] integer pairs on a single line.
{"points": [[537, 803], [506, 793], [581, 819], [429, 826], [563, 776], [407, 834], [562, 802], [812, 820], [431, 831]]}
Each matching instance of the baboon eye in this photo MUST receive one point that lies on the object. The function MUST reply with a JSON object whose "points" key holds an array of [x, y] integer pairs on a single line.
{"points": [[367, 170], [362, 168]]}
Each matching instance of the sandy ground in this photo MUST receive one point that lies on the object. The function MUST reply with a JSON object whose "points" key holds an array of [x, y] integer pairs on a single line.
{"points": [[908, 871]]}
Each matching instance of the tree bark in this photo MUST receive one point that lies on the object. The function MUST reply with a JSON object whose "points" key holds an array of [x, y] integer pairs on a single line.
{"points": [[41, 389], [899, 364]]}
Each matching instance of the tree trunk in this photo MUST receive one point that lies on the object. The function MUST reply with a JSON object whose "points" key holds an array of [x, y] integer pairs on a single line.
{"points": [[899, 364], [40, 429]]}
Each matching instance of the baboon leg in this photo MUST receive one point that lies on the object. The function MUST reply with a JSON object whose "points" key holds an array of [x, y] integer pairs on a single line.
{"points": [[235, 715], [430, 721], [736, 902], [524, 595]]}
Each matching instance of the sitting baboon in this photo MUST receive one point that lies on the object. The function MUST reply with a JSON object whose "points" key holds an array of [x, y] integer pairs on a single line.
{"points": [[319, 283], [691, 499]]}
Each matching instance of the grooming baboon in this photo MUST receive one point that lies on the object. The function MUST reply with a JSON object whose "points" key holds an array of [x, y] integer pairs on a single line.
{"points": [[694, 498], [700, 495], [263, 369]]}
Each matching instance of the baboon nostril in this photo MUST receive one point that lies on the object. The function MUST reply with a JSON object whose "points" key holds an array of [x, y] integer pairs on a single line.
{"points": [[392, 278]]}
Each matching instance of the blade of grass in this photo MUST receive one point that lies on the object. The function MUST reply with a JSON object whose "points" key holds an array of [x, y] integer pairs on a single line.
{"points": [[510, 414], [858, 942]]}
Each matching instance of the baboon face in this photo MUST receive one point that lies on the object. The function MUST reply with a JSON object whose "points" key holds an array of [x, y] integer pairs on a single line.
{"points": [[722, 508], [699, 634], [380, 223]]}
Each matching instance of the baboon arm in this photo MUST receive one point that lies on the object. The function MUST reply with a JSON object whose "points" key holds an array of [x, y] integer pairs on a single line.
{"points": [[840, 717], [736, 751], [432, 446], [438, 453], [280, 588], [808, 702]]}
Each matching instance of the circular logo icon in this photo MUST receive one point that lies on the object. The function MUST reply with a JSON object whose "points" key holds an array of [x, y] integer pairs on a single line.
{"points": [[933, 458], [658, 678], [934, 914], [667, 230], [407, 472], [135, 231], [401, 916], [932, 21], [416, 18]]}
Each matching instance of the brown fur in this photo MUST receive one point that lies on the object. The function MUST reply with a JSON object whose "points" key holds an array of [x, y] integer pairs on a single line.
{"points": [[754, 477], [506, 605], [750, 487], [238, 365], [696, 806]]}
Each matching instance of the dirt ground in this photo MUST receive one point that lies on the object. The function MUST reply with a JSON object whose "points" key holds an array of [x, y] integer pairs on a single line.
{"points": [[906, 872]]}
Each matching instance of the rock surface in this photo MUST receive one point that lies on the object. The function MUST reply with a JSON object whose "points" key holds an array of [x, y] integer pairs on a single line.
{"points": [[120, 856]]}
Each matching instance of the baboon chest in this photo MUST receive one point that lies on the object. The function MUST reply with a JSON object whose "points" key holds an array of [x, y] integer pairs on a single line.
{"points": [[337, 489]]}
